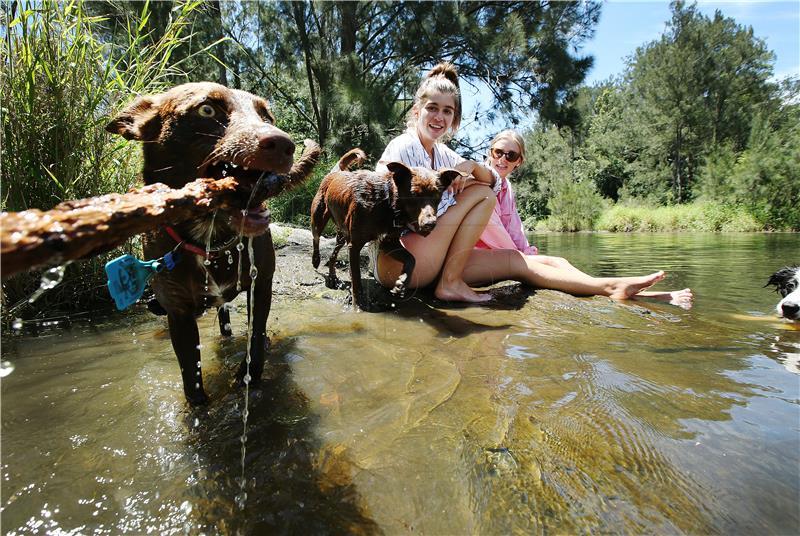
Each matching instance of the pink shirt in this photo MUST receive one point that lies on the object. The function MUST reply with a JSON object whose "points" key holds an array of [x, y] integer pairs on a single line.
{"points": [[504, 230]]}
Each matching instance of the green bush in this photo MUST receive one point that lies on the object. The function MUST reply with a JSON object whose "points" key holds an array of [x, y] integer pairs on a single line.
{"points": [[698, 217], [294, 206], [575, 206]]}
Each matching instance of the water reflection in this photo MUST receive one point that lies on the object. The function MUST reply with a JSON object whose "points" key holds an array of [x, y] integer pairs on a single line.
{"points": [[540, 413]]}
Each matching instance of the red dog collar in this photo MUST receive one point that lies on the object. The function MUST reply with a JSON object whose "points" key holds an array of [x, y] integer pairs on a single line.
{"points": [[191, 248]]}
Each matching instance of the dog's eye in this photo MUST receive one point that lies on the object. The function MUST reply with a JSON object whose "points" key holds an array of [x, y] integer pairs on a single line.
{"points": [[206, 110]]}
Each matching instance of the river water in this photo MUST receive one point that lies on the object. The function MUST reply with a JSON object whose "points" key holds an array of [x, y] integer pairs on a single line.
{"points": [[541, 413]]}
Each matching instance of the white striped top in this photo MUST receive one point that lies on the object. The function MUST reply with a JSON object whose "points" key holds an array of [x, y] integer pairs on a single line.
{"points": [[408, 149]]}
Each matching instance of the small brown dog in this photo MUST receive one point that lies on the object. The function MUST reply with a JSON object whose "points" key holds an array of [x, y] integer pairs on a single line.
{"points": [[366, 205], [207, 130]]}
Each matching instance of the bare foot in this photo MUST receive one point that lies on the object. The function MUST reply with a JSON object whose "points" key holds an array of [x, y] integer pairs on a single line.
{"points": [[623, 288], [681, 298], [459, 291]]}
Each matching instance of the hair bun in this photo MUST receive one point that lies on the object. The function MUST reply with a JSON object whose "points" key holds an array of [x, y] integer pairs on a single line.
{"points": [[446, 70]]}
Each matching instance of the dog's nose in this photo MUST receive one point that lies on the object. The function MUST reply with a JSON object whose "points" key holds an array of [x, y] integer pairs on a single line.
{"points": [[790, 310], [426, 226], [276, 144]]}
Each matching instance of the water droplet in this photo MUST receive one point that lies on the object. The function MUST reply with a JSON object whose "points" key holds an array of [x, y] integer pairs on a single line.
{"points": [[199, 346], [240, 246], [197, 386], [6, 368], [17, 324]]}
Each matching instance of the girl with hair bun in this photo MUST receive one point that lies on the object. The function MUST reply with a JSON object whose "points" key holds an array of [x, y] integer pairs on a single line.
{"points": [[447, 257]]}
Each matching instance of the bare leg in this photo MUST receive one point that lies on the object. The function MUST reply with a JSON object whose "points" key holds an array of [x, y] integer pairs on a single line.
{"points": [[682, 298], [486, 266], [447, 248]]}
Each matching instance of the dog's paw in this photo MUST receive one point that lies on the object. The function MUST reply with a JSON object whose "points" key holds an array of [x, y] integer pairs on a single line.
{"points": [[399, 286]]}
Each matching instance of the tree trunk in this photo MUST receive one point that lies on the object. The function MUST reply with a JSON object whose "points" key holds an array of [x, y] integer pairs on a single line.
{"points": [[216, 34]]}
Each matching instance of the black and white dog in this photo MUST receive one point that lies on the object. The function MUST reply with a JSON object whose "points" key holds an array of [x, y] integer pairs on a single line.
{"points": [[787, 283]]}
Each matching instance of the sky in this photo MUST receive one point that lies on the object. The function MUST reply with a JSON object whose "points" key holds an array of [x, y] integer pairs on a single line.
{"points": [[626, 25]]}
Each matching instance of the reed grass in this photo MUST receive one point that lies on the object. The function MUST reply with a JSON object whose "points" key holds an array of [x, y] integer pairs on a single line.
{"points": [[60, 84], [698, 217]]}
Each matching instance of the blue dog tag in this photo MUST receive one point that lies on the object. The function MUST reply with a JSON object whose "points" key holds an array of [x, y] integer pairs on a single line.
{"points": [[127, 278]]}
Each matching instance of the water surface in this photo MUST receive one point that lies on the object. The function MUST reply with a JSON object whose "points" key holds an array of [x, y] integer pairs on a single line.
{"points": [[541, 413]]}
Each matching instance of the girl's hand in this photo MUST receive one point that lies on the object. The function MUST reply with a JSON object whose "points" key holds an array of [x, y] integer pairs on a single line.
{"points": [[459, 183]]}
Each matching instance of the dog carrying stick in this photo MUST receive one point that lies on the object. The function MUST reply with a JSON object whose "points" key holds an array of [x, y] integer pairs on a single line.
{"points": [[87, 227]]}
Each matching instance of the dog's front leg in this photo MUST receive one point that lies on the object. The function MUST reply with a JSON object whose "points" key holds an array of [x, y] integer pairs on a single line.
{"points": [[392, 247], [258, 309], [186, 343], [355, 273]]}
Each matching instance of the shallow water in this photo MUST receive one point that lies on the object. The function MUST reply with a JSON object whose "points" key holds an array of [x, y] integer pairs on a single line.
{"points": [[541, 413]]}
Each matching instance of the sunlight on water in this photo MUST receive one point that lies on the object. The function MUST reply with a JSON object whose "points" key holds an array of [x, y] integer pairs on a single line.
{"points": [[542, 412]]}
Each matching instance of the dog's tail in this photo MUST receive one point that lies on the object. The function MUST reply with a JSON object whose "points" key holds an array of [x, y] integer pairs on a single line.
{"points": [[352, 158]]}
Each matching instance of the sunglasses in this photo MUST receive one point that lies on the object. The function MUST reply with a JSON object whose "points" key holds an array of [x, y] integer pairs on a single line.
{"points": [[511, 156]]}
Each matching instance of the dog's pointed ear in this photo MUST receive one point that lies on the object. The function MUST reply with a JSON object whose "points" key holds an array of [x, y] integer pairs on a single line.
{"points": [[139, 121], [446, 176], [401, 175]]}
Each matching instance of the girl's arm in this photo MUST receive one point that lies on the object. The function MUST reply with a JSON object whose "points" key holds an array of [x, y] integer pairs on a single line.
{"points": [[513, 223]]}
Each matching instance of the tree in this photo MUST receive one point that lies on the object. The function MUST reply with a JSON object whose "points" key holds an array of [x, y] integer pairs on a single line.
{"points": [[700, 84], [347, 70]]}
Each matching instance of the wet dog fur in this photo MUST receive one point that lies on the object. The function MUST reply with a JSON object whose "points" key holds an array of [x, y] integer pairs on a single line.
{"points": [[366, 205], [787, 283], [207, 130]]}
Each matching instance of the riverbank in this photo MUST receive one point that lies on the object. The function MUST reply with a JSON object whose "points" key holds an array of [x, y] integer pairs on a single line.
{"points": [[699, 217]]}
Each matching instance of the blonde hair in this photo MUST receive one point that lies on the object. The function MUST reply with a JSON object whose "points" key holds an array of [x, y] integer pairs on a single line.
{"points": [[443, 78], [512, 135]]}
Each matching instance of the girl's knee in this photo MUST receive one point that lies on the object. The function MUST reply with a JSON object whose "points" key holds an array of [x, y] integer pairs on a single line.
{"points": [[561, 262], [479, 192]]}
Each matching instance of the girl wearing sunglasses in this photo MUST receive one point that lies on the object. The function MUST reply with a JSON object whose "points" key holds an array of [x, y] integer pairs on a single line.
{"points": [[447, 257]]}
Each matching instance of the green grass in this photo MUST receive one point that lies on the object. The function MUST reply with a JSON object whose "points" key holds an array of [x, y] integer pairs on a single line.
{"points": [[698, 217]]}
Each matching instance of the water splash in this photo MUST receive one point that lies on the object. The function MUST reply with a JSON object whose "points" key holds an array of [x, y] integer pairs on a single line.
{"points": [[50, 279], [6, 368], [207, 260], [241, 499]]}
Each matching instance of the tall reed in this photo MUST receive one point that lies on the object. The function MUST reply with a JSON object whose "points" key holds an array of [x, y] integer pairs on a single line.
{"points": [[61, 80]]}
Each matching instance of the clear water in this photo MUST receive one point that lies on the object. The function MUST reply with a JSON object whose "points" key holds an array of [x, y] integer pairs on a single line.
{"points": [[541, 413]]}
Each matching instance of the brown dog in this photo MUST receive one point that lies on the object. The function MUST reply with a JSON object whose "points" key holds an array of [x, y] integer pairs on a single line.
{"points": [[207, 130], [366, 205]]}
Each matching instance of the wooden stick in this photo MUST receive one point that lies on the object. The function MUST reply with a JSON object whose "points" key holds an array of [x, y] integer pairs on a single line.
{"points": [[87, 227]]}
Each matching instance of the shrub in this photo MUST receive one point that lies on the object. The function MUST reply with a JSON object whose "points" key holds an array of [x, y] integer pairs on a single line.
{"points": [[698, 217], [575, 206], [294, 206]]}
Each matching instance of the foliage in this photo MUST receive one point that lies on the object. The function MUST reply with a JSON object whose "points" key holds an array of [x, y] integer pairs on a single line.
{"points": [[346, 71], [695, 117], [294, 206], [59, 86], [699, 216], [574, 206]]}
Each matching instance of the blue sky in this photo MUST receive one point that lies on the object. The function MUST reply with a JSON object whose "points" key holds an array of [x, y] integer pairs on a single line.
{"points": [[626, 25]]}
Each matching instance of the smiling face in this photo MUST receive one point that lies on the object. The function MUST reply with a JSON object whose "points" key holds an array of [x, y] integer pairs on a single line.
{"points": [[502, 165], [435, 117]]}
